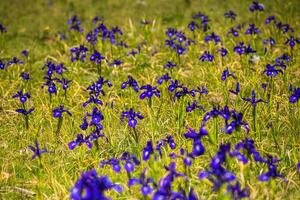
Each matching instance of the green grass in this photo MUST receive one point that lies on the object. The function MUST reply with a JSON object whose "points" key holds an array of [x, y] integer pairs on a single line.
{"points": [[33, 25]]}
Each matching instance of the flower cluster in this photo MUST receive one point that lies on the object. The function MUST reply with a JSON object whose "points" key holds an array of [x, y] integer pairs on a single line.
{"points": [[92, 186]]}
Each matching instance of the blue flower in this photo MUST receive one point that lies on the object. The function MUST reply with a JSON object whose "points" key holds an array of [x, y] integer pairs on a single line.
{"points": [[116, 62], [15, 60], [3, 28], [253, 99], [212, 37], [91, 186], [252, 30], [230, 14], [78, 53], [22, 96], [226, 74], [234, 32], [217, 174], [190, 107], [292, 41], [37, 152], [149, 92], [131, 82], [2, 64], [97, 57], [192, 26], [164, 77], [206, 56], [92, 37], [198, 148], [147, 151], [57, 112], [24, 111], [96, 88], [295, 96], [272, 170], [146, 189], [272, 71], [131, 115], [255, 6], [237, 192], [24, 75], [236, 123], [170, 65], [270, 19], [223, 51], [237, 89], [92, 99], [74, 23]]}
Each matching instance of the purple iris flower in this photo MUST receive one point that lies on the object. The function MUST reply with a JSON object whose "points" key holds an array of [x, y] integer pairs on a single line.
{"points": [[131, 115]]}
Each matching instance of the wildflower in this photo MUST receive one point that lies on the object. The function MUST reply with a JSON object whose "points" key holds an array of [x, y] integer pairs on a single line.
{"points": [[164, 77], [271, 71], [255, 6], [97, 19], [234, 32], [212, 37], [190, 107], [92, 37], [236, 123], [80, 139], [147, 151], [217, 174], [270, 19], [131, 82], [295, 96], [50, 84], [24, 111], [270, 41], [248, 146], [180, 49], [226, 74], [2, 64], [14, 60], [252, 30], [91, 186], [149, 92], [146, 189], [206, 56], [96, 88], [78, 53], [131, 115], [170, 65], [198, 148], [97, 57], [25, 53], [223, 51], [283, 58], [272, 170], [253, 99], [116, 62], [237, 89], [64, 83], [57, 112], [192, 26], [240, 48], [292, 41], [2, 28], [74, 23], [22, 96], [237, 192], [230, 14], [24, 75], [37, 152]]}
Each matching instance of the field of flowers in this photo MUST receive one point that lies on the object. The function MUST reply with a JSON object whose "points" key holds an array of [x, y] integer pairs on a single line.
{"points": [[172, 99]]}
